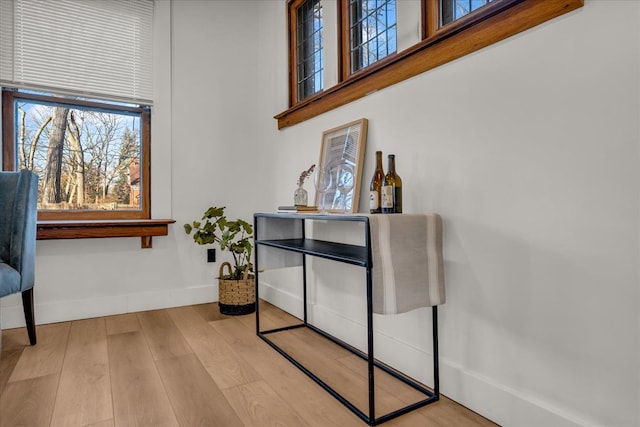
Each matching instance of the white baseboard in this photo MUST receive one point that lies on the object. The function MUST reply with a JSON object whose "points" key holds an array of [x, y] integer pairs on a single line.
{"points": [[494, 401], [12, 316]]}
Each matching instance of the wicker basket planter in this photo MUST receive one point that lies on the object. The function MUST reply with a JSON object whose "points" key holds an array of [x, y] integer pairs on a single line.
{"points": [[236, 297]]}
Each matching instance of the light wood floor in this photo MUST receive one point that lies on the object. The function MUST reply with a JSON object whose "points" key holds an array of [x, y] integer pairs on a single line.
{"points": [[188, 366]]}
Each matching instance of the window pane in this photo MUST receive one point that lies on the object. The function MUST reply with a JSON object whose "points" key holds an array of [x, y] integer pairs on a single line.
{"points": [[309, 48], [451, 10], [372, 30], [87, 158]]}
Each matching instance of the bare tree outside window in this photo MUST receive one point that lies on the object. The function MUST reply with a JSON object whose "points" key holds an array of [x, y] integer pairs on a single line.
{"points": [[87, 158], [372, 31]]}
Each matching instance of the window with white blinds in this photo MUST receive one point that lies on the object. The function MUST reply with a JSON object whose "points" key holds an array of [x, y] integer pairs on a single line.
{"points": [[95, 49]]}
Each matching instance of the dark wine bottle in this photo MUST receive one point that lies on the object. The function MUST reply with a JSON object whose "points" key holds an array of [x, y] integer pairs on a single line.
{"points": [[375, 189], [392, 189]]}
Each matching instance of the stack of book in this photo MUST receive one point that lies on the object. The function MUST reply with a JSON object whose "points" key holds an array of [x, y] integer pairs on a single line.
{"points": [[297, 209]]}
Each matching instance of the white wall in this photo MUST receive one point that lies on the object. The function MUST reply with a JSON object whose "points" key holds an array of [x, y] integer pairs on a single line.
{"points": [[529, 149]]}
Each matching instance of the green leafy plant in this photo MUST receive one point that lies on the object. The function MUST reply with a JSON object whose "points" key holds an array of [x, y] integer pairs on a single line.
{"points": [[233, 236]]}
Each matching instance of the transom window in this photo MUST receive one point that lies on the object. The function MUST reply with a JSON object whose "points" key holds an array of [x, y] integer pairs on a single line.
{"points": [[452, 10], [308, 52], [372, 31], [379, 45]]}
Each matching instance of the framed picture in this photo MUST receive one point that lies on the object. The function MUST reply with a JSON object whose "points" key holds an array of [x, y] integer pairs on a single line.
{"points": [[342, 156]]}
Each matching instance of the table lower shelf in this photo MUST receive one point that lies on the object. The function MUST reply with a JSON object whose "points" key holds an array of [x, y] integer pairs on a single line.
{"points": [[342, 371]]}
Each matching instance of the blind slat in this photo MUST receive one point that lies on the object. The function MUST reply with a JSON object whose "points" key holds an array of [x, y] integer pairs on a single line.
{"points": [[98, 48]]}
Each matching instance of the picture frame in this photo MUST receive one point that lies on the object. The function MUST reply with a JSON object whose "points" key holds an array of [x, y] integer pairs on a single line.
{"points": [[343, 145]]}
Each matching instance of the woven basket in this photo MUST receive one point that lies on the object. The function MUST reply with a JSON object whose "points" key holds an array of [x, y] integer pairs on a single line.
{"points": [[236, 297]]}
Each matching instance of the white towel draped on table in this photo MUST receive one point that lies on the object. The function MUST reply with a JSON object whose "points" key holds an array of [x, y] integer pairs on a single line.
{"points": [[408, 267], [407, 262]]}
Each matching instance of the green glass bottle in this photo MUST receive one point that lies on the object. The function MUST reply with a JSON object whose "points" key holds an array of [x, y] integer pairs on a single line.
{"points": [[392, 189]]}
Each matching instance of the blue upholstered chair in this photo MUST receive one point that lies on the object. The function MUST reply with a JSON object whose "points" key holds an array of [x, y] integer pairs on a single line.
{"points": [[18, 215]]}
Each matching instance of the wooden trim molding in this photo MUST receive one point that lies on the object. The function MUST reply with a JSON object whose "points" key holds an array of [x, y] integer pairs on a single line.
{"points": [[292, 19], [90, 229], [482, 29]]}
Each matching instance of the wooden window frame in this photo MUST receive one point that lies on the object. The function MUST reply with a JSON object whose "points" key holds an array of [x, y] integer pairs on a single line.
{"points": [[292, 18], [481, 28], [9, 98], [59, 224]]}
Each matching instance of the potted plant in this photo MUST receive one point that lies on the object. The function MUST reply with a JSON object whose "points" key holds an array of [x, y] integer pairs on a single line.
{"points": [[236, 288]]}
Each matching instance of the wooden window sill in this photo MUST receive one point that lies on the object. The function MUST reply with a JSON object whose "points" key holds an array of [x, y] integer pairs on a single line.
{"points": [[89, 229]]}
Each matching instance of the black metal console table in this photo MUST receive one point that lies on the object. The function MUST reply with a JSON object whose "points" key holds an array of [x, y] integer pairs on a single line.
{"points": [[287, 232]]}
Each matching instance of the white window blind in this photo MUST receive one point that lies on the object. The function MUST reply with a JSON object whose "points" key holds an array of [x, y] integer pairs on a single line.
{"points": [[99, 48]]}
